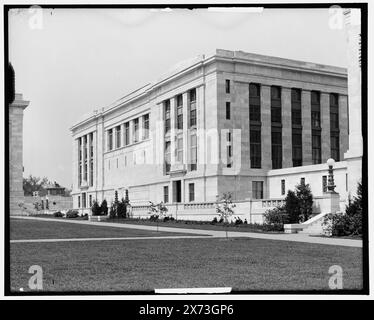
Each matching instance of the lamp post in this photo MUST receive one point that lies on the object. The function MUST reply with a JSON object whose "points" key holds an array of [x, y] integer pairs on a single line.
{"points": [[330, 184]]}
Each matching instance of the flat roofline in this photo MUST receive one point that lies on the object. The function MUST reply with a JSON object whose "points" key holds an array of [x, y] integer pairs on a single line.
{"points": [[220, 54], [282, 62]]}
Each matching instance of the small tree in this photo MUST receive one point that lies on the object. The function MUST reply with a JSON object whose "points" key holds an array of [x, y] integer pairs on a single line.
{"points": [[112, 211], [157, 211], [292, 207], [104, 207], [96, 209], [305, 199], [121, 208], [225, 208]]}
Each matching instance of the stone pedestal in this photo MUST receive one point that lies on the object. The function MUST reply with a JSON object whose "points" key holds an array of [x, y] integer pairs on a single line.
{"points": [[333, 199], [16, 154]]}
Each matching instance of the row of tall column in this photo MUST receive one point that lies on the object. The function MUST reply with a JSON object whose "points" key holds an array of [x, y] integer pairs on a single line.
{"points": [[123, 135], [85, 172], [306, 126]]}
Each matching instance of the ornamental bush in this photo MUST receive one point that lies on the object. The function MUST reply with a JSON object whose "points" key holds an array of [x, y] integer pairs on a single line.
{"points": [[305, 200], [104, 207], [96, 209], [71, 214], [348, 223], [58, 214], [275, 219]]}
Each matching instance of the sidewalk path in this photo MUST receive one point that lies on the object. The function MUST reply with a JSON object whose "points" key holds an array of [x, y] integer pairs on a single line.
{"points": [[217, 234]]}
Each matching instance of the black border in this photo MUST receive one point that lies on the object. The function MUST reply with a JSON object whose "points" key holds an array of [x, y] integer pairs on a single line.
{"points": [[364, 48]]}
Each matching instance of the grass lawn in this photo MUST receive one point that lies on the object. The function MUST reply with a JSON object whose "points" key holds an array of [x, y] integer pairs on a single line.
{"points": [[33, 229], [196, 225], [241, 263]]}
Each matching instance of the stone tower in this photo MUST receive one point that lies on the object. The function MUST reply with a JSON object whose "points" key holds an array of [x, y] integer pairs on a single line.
{"points": [[355, 150], [16, 153]]}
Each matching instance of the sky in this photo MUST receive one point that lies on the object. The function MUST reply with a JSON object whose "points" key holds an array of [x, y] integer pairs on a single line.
{"points": [[69, 62]]}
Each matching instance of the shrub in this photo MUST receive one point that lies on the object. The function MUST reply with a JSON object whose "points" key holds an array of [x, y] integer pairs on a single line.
{"points": [[169, 218], [104, 207], [238, 221], [72, 214], [121, 208], [96, 209], [305, 199], [214, 221], [349, 223], [275, 219], [153, 217], [58, 214], [112, 211], [292, 207]]}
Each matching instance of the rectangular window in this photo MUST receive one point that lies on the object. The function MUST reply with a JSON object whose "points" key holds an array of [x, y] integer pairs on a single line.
{"points": [[91, 145], [91, 172], [166, 194], [191, 192], [167, 115], [145, 126], [79, 161], [192, 94], [227, 89], [296, 106], [302, 181], [110, 139], [167, 156], [90, 200], [84, 203], [297, 148], [316, 146], [127, 133], [179, 112], [136, 130], [283, 187], [254, 102], [324, 183], [335, 149], [276, 106], [229, 151], [118, 136], [255, 146], [316, 110], [180, 149], [228, 110], [85, 154], [79, 201], [334, 111], [91, 158], [276, 147], [257, 189], [334, 127], [193, 152]]}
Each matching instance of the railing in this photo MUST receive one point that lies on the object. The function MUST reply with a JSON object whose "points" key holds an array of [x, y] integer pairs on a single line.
{"points": [[199, 205], [272, 203]]}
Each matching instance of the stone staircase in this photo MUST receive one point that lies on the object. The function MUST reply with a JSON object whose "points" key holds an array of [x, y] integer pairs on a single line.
{"points": [[312, 227]]}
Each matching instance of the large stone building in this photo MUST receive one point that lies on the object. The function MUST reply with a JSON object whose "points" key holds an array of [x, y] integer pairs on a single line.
{"points": [[250, 124]]}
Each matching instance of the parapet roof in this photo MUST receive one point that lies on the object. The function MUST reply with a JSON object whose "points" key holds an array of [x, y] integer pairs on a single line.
{"points": [[221, 54]]}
